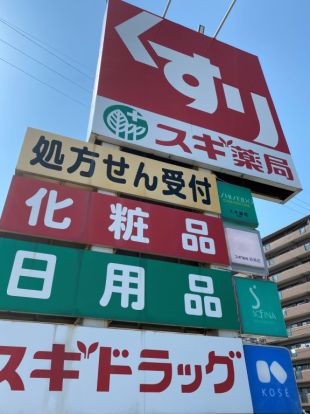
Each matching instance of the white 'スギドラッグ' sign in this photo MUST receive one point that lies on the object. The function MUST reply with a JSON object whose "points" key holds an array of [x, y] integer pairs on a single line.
{"points": [[60, 368]]}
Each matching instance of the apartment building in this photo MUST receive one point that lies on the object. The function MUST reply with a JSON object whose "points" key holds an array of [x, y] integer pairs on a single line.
{"points": [[288, 256]]}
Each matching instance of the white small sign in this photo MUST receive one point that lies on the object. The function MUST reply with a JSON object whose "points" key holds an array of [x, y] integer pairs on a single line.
{"points": [[245, 250]]}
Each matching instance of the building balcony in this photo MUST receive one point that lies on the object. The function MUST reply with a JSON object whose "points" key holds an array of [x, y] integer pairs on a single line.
{"points": [[291, 239], [288, 258], [295, 292], [306, 402], [299, 332], [302, 376], [300, 355], [296, 335], [297, 312], [291, 274]]}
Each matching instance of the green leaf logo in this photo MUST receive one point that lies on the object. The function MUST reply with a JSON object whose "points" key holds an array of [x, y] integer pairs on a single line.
{"points": [[125, 122]]}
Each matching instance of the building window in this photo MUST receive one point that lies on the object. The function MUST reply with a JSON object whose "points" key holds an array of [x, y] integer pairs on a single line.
{"points": [[307, 246], [302, 230], [293, 352], [304, 397], [267, 247], [271, 261], [275, 278], [298, 372]]}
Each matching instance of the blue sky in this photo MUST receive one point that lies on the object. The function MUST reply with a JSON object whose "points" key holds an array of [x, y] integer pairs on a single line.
{"points": [[48, 57]]}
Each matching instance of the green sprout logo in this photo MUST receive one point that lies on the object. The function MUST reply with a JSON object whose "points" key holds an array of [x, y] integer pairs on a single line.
{"points": [[125, 122]]}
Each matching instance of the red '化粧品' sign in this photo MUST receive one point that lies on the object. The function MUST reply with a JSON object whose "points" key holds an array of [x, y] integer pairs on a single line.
{"points": [[43, 209]]}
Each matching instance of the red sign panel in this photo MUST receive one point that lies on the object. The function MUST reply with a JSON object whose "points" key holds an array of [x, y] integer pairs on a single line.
{"points": [[168, 89], [186, 74], [56, 211]]}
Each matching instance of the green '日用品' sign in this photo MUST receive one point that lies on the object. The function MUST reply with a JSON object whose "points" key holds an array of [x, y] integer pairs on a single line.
{"points": [[237, 204], [44, 279], [259, 307]]}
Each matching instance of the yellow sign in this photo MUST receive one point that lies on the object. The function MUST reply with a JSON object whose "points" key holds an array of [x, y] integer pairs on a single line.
{"points": [[54, 156]]}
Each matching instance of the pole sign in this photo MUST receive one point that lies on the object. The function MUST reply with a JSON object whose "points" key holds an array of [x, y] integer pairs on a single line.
{"points": [[69, 369], [44, 279], [53, 156], [272, 380], [245, 250], [55, 211], [259, 307], [169, 90], [237, 204]]}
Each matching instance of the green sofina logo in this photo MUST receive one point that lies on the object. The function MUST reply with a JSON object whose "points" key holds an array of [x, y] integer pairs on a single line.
{"points": [[125, 122]]}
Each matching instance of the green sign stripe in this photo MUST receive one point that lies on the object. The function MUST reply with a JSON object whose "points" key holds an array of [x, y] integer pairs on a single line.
{"points": [[83, 283]]}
